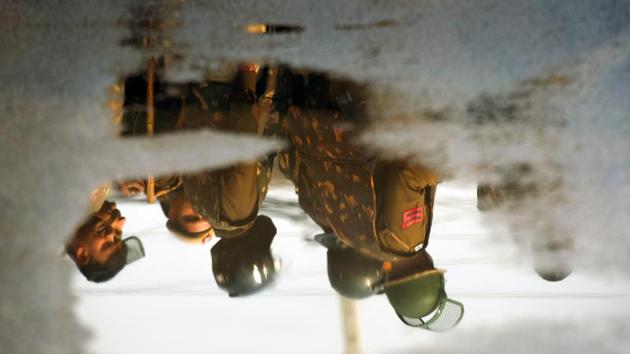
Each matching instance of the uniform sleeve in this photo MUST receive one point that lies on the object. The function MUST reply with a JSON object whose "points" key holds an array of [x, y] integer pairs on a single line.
{"points": [[239, 193], [227, 198], [406, 210]]}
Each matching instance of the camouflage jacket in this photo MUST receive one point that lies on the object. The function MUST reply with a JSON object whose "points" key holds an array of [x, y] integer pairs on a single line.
{"points": [[383, 209]]}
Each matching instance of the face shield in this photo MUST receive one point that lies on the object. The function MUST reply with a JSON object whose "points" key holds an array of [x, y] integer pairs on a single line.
{"points": [[412, 293], [135, 250], [448, 314], [413, 286]]}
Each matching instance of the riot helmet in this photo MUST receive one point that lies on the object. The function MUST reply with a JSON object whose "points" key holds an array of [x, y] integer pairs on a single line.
{"points": [[243, 264], [350, 273], [413, 286]]}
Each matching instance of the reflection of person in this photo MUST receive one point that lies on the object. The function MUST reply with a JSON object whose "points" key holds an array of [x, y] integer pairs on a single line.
{"points": [[381, 208], [229, 198], [376, 214], [169, 104], [243, 265], [413, 286], [552, 249], [379, 212], [182, 220], [163, 186], [405, 194], [97, 248]]}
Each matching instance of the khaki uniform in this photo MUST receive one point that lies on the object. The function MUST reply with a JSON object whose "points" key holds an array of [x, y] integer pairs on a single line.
{"points": [[405, 195], [383, 209], [228, 198]]}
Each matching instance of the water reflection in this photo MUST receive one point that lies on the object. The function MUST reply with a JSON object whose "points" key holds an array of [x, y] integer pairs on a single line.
{"points": [[375, 213], [552, 247], [414, 287], [97, 247], [243, 264], [495, 83]]}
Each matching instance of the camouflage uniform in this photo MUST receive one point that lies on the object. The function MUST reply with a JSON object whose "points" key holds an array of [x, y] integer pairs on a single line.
{"points": [[383, 209], [228, 198]]}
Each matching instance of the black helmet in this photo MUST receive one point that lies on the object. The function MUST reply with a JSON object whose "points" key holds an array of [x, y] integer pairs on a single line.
{"points": [[243, 265], [350, 273], [413, 286]]}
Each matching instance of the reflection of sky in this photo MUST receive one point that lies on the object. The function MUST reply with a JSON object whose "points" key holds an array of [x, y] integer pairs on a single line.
{"points": [[169, 303]]}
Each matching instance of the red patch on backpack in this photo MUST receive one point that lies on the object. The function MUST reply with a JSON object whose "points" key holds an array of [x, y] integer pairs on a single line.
{"points": [[412, 216]]}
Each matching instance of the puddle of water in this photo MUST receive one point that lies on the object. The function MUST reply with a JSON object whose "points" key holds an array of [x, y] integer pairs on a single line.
{"points": [[325, 216], [471, 146]]}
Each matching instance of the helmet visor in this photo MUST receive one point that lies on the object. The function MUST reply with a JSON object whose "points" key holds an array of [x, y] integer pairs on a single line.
{"points": [[446, 317], [135, 250]]}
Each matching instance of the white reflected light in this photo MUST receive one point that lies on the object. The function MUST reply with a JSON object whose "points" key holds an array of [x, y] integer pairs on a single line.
{"points": [[256, 275]]}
